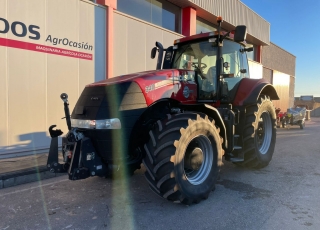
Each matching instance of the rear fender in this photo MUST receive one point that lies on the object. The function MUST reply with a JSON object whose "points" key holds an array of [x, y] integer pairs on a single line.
{"points": [[250, 90]]}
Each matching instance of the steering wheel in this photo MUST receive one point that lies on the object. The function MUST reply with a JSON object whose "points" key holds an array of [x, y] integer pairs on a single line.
{"points": [[199, 68]]}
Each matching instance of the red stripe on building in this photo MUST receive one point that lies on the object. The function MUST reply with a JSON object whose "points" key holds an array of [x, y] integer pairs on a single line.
{"points": [[44, 49]]}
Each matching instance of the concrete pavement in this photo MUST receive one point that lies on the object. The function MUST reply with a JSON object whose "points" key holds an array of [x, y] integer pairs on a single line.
{"points": [[21, 170], [284, 195]]}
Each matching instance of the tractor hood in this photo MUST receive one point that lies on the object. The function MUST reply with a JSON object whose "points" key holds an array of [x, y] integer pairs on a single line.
{"points": [[125, 98], [138, 77], [154, 85]]}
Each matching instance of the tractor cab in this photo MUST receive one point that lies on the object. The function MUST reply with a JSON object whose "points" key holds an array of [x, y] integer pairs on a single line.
{"points": [[217, 77], [217, 59]]}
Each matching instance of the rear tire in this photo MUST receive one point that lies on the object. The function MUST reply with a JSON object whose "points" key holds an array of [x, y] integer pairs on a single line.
{"points": [[259, 135], [183, 157]]}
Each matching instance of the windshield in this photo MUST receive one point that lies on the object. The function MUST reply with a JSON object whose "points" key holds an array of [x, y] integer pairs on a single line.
{"points": [[202, 58], [196, 56], [235, 65]]}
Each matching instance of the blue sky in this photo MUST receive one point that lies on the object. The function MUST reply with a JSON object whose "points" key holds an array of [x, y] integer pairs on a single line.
{"points": [[295, 27]]}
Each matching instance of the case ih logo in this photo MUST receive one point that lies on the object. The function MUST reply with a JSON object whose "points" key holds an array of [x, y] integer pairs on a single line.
{"points": [[21, 30]]}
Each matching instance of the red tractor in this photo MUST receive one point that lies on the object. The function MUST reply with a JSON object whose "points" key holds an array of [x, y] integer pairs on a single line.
{"points": [[179, 120]]}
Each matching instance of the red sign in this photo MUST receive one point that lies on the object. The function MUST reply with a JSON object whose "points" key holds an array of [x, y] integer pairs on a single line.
{"points": [[44, 49]]}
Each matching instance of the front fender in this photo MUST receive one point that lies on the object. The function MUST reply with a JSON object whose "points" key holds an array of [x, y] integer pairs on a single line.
{"points": [[250, 89], [211, 112]]}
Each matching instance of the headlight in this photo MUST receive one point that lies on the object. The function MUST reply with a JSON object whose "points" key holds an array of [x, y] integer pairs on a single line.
{"points": [[113, 123]]}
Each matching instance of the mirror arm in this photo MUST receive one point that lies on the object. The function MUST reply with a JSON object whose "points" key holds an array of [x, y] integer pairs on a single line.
{"points": [[224, 36]]}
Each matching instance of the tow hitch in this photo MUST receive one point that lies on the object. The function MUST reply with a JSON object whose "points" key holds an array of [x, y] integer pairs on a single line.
{"points": [[80, 158]]}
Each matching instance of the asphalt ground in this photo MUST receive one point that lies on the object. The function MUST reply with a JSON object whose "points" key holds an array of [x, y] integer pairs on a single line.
{"points": [[284, 195], [21, 170]]}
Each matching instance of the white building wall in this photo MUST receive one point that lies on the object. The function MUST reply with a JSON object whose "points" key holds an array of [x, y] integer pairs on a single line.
{"points": [[281, 83], [35, 69], [256, 69], [133, 41]]}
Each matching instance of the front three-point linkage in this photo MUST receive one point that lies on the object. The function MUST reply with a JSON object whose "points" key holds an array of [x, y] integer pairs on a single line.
{"points": [[80, 157], [53, 162]]}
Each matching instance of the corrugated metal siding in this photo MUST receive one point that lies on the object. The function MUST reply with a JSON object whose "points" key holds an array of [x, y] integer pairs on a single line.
{"points": [[233, 12]]}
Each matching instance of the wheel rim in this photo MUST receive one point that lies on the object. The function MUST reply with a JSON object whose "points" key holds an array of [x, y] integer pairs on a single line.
{"points": [[264, 133], [198, 160]]}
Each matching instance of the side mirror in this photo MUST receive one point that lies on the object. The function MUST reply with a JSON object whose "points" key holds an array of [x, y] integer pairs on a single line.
{"points": [[240, 34], [250, 49], [154, 52]]}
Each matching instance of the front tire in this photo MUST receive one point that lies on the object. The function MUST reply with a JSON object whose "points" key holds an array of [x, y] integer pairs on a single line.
{"points": [[259, 136], [302, 124], [183, 157]]}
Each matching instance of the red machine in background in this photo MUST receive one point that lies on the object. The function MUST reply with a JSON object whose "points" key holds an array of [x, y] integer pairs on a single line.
{"points": [[293, 116], [280, 116]]}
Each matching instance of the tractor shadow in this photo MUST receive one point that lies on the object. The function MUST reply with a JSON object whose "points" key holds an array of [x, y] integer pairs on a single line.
{"points": [[29, 143], [29, 153]]}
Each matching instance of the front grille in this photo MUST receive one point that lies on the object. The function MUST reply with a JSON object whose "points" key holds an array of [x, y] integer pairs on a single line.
{"points": [[124, 101]]}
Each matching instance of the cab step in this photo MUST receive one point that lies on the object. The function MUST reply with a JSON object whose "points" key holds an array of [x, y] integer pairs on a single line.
{"points": [[240, 157]]}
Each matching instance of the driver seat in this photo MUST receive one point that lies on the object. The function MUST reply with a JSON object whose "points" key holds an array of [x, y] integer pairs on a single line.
{"points": [[211, 75], [207, 85], [212, 71]]}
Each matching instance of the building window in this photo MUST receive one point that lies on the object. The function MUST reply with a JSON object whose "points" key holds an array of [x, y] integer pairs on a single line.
{"points": [[158, 12], [204, 26]]}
